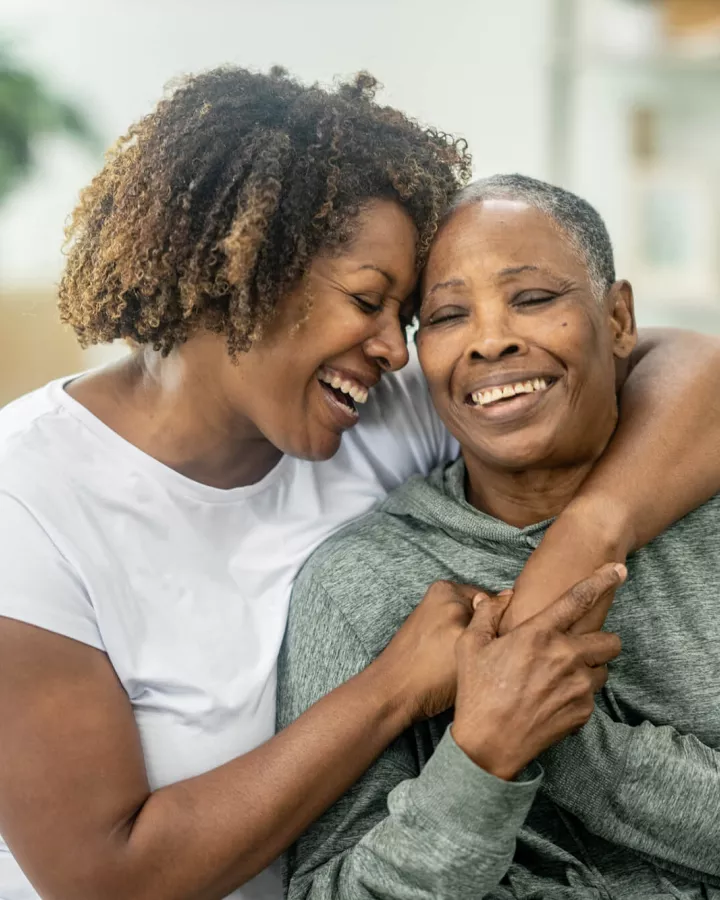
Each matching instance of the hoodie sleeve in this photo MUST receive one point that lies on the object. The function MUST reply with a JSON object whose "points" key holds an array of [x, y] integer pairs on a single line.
{"points": [[446, 832], [646, 787]]}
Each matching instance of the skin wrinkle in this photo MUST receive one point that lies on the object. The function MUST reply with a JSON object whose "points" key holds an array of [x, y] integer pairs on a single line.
{"points": [[573, 218], [502, 315]]}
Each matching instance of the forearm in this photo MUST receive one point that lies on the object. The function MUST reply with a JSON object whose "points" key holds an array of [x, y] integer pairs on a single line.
{"points": [[447, 834], [650, 789], [202, 838], [663, 461]]}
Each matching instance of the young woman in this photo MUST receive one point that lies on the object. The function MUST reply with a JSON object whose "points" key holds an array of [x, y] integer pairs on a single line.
{"points": [[257, 242]]}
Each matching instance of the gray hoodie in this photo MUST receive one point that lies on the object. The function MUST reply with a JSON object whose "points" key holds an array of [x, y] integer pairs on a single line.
{"points": [[627, 808]]}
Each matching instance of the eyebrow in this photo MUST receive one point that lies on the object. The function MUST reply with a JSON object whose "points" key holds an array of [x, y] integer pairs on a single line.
{"points": [[453, 282], [516, 270], [378, 269]]}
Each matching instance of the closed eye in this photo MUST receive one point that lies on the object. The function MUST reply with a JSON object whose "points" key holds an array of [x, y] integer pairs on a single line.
{"points": [[444, 315], [530, 300], [367, 306]]}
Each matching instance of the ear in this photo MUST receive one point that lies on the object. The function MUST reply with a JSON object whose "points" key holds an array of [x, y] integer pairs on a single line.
{"points": [[620, 305]]}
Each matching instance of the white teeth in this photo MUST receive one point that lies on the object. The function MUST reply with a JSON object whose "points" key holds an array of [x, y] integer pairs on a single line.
{"points": [[358, 394], [353, 389], [482, 398]]}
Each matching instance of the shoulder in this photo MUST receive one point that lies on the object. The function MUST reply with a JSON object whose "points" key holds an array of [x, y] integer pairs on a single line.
{"points": [[342, 614], [368, 574], [698, 526], [688, 549], [33, 434]]}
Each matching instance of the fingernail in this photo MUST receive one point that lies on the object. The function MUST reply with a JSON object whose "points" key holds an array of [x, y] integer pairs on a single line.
{"points": [[478, 599], [621, 570], [506, 592]]}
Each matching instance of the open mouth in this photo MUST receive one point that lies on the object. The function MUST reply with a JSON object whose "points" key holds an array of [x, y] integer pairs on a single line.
{"points": [[339, 396], [345, 391], [506, 394]]}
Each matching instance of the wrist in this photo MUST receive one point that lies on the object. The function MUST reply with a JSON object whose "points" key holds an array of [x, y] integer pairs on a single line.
{"points": [[393, 704], [484, 753], [601, 522]]}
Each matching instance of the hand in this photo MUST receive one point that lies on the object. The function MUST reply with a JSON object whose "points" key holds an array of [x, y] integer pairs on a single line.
{"points": [[420, 661], [520, 693]]}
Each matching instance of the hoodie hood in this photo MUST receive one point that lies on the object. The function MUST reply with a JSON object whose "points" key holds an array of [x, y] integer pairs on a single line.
{"points": [[439, 502]]}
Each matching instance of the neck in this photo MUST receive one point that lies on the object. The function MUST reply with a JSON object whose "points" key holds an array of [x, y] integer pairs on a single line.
{"points": [[522, 498], [173, 409]]}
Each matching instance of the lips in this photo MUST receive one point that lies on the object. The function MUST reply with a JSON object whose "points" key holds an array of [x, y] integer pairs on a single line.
{"points": [[507, 401]]}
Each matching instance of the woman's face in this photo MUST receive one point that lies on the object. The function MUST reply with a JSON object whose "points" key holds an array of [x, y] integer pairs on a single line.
{"points": [[301, 385], [519, 354]]}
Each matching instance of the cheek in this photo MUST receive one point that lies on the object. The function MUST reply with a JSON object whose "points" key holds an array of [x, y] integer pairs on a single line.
{"points": [[432, 360], [574, 339]]}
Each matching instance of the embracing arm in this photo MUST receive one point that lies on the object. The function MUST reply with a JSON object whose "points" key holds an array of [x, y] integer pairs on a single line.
{"points": [[76, 808], [663, 461], [79, 815], [646, 787]]}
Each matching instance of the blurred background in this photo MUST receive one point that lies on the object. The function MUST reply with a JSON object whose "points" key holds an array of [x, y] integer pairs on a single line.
{"points": [[618, 100]]}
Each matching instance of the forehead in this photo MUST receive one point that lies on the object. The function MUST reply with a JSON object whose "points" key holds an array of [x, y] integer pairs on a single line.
{"points": [[481, 239], [384, 236]]}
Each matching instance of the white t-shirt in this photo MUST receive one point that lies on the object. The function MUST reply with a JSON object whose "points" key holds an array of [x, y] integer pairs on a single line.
{"points": [[184, 586]]}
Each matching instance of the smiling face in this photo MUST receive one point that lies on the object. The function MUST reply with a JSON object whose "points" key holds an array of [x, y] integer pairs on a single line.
{"points": [[519, 354], [301, 383]]}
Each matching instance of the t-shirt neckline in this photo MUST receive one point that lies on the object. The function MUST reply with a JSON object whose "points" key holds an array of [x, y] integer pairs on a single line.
{"points": [[173, 479]]}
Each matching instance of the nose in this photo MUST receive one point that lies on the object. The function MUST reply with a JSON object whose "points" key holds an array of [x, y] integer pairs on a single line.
{"points": [[495, 338], [388, 345]]}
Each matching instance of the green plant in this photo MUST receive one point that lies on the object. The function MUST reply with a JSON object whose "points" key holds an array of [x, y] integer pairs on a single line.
{"points": [[29, 111]]}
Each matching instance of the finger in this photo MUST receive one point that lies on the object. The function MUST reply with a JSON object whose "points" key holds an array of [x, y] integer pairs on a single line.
{"points": [[488, 613], [598, 677], [580, 599], [464, 594], [481, 596], [599, 647]]}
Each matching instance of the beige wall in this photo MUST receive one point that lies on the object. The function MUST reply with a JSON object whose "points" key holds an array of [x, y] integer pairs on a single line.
{"points": [[34, 346]]}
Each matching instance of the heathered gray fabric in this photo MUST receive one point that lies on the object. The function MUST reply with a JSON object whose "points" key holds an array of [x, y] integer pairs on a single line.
{"points": [[629, 808]]}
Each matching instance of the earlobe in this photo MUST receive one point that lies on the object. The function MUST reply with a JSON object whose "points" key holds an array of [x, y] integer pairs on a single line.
{"points": [[622, 319]]}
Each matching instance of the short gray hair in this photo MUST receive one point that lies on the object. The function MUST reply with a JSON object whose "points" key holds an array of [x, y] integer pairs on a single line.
{"points": [[579, 222]]}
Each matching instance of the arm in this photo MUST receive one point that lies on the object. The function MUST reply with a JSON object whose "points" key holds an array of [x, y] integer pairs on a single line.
{"points": [[448, 832], [78, 812], [75, 804], [668, 437], [648, 788]]}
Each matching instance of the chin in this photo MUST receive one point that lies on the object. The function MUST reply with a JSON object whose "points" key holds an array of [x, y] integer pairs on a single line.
{"points": [[511, 456], [315, 451]]}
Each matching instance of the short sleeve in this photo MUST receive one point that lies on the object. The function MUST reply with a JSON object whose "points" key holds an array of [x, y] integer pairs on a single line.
{"points": [[399, 434], [37, 584]]}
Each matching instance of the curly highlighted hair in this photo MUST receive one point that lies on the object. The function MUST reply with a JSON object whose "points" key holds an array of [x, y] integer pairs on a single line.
{"points": [[210, 208]]}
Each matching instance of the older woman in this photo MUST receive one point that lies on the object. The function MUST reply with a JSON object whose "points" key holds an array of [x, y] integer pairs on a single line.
{"points": [[525, 335]]}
